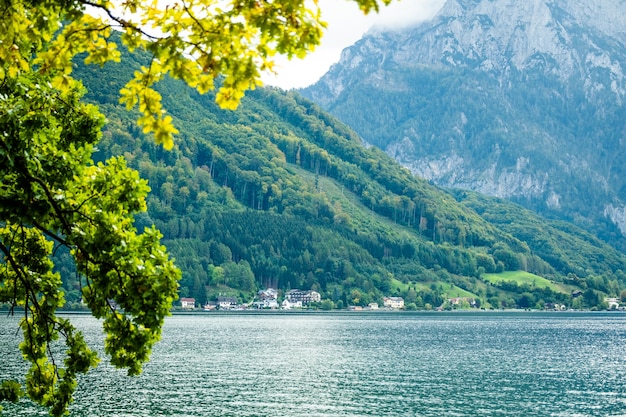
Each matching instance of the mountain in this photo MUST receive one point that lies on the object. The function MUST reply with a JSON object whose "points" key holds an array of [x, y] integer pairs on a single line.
{"points": [[281, 194], [518, 100]]}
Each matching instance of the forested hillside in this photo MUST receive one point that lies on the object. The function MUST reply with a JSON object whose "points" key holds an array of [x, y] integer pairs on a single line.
{"points": [[519, 100], [280, 194]]}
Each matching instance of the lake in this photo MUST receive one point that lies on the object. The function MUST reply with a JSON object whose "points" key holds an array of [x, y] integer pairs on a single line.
{"points": [[359, 364]]}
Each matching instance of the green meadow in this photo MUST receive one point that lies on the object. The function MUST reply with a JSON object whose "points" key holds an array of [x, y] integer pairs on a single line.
{"points": [[521, 278]]}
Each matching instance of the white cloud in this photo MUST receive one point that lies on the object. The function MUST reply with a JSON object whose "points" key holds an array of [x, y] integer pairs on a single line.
{"points": [[346, 25]]}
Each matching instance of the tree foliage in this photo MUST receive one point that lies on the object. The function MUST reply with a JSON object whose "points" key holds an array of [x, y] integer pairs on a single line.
{"points": [[192, 40], [52, 195]]}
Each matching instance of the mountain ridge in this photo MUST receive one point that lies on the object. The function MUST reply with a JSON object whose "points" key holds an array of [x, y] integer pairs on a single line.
{"points": [[515, 100]]}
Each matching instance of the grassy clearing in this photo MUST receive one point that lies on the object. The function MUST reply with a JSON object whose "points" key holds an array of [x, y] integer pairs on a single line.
{"points": [[399, 286], [449, 290], [452, 291], [523, 277]]}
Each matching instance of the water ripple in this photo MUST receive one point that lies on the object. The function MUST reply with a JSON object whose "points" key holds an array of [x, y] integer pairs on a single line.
{"points": [[362, 364]]}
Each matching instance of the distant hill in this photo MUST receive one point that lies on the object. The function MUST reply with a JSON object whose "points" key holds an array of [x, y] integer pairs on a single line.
{"points": [[281, 194], [521, 100]]}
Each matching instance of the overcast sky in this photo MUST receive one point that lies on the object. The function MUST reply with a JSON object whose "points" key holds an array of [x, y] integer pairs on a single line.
{"points": [[346, 25]]}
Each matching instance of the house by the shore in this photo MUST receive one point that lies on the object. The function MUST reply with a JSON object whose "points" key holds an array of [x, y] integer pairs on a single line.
{"points": [[187, 303]]}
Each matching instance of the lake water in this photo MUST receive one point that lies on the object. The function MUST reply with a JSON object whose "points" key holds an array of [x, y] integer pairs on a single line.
{"points": [[359, 364]]}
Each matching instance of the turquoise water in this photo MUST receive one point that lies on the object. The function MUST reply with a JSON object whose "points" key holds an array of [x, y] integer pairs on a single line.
{"points": [[357, 364]]}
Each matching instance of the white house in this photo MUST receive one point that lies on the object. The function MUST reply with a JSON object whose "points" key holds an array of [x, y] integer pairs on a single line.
{"points": [[267, 299], [305, 297], [188, 303], [393, 302], [613, 303], [225, 303], [271, 303], [460, 300], [268, 294], [287, 305]]}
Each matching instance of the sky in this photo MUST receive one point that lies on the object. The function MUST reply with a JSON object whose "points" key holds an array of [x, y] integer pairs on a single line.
{"points": [[346, 25]]}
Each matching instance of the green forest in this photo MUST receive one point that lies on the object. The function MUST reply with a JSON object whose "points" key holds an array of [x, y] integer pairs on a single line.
{"points": [[533, 126], [280, 194]]}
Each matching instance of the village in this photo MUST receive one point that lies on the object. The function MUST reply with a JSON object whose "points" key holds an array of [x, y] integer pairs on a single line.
{"points": [[268, 299], [295, 299]]}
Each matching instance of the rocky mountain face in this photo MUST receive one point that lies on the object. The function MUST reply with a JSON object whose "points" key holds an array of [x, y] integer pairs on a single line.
{"points": [[519, 100]]}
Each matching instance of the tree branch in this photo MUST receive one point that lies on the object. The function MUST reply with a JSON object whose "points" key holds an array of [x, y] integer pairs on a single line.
{"points": [[122, 22]]}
